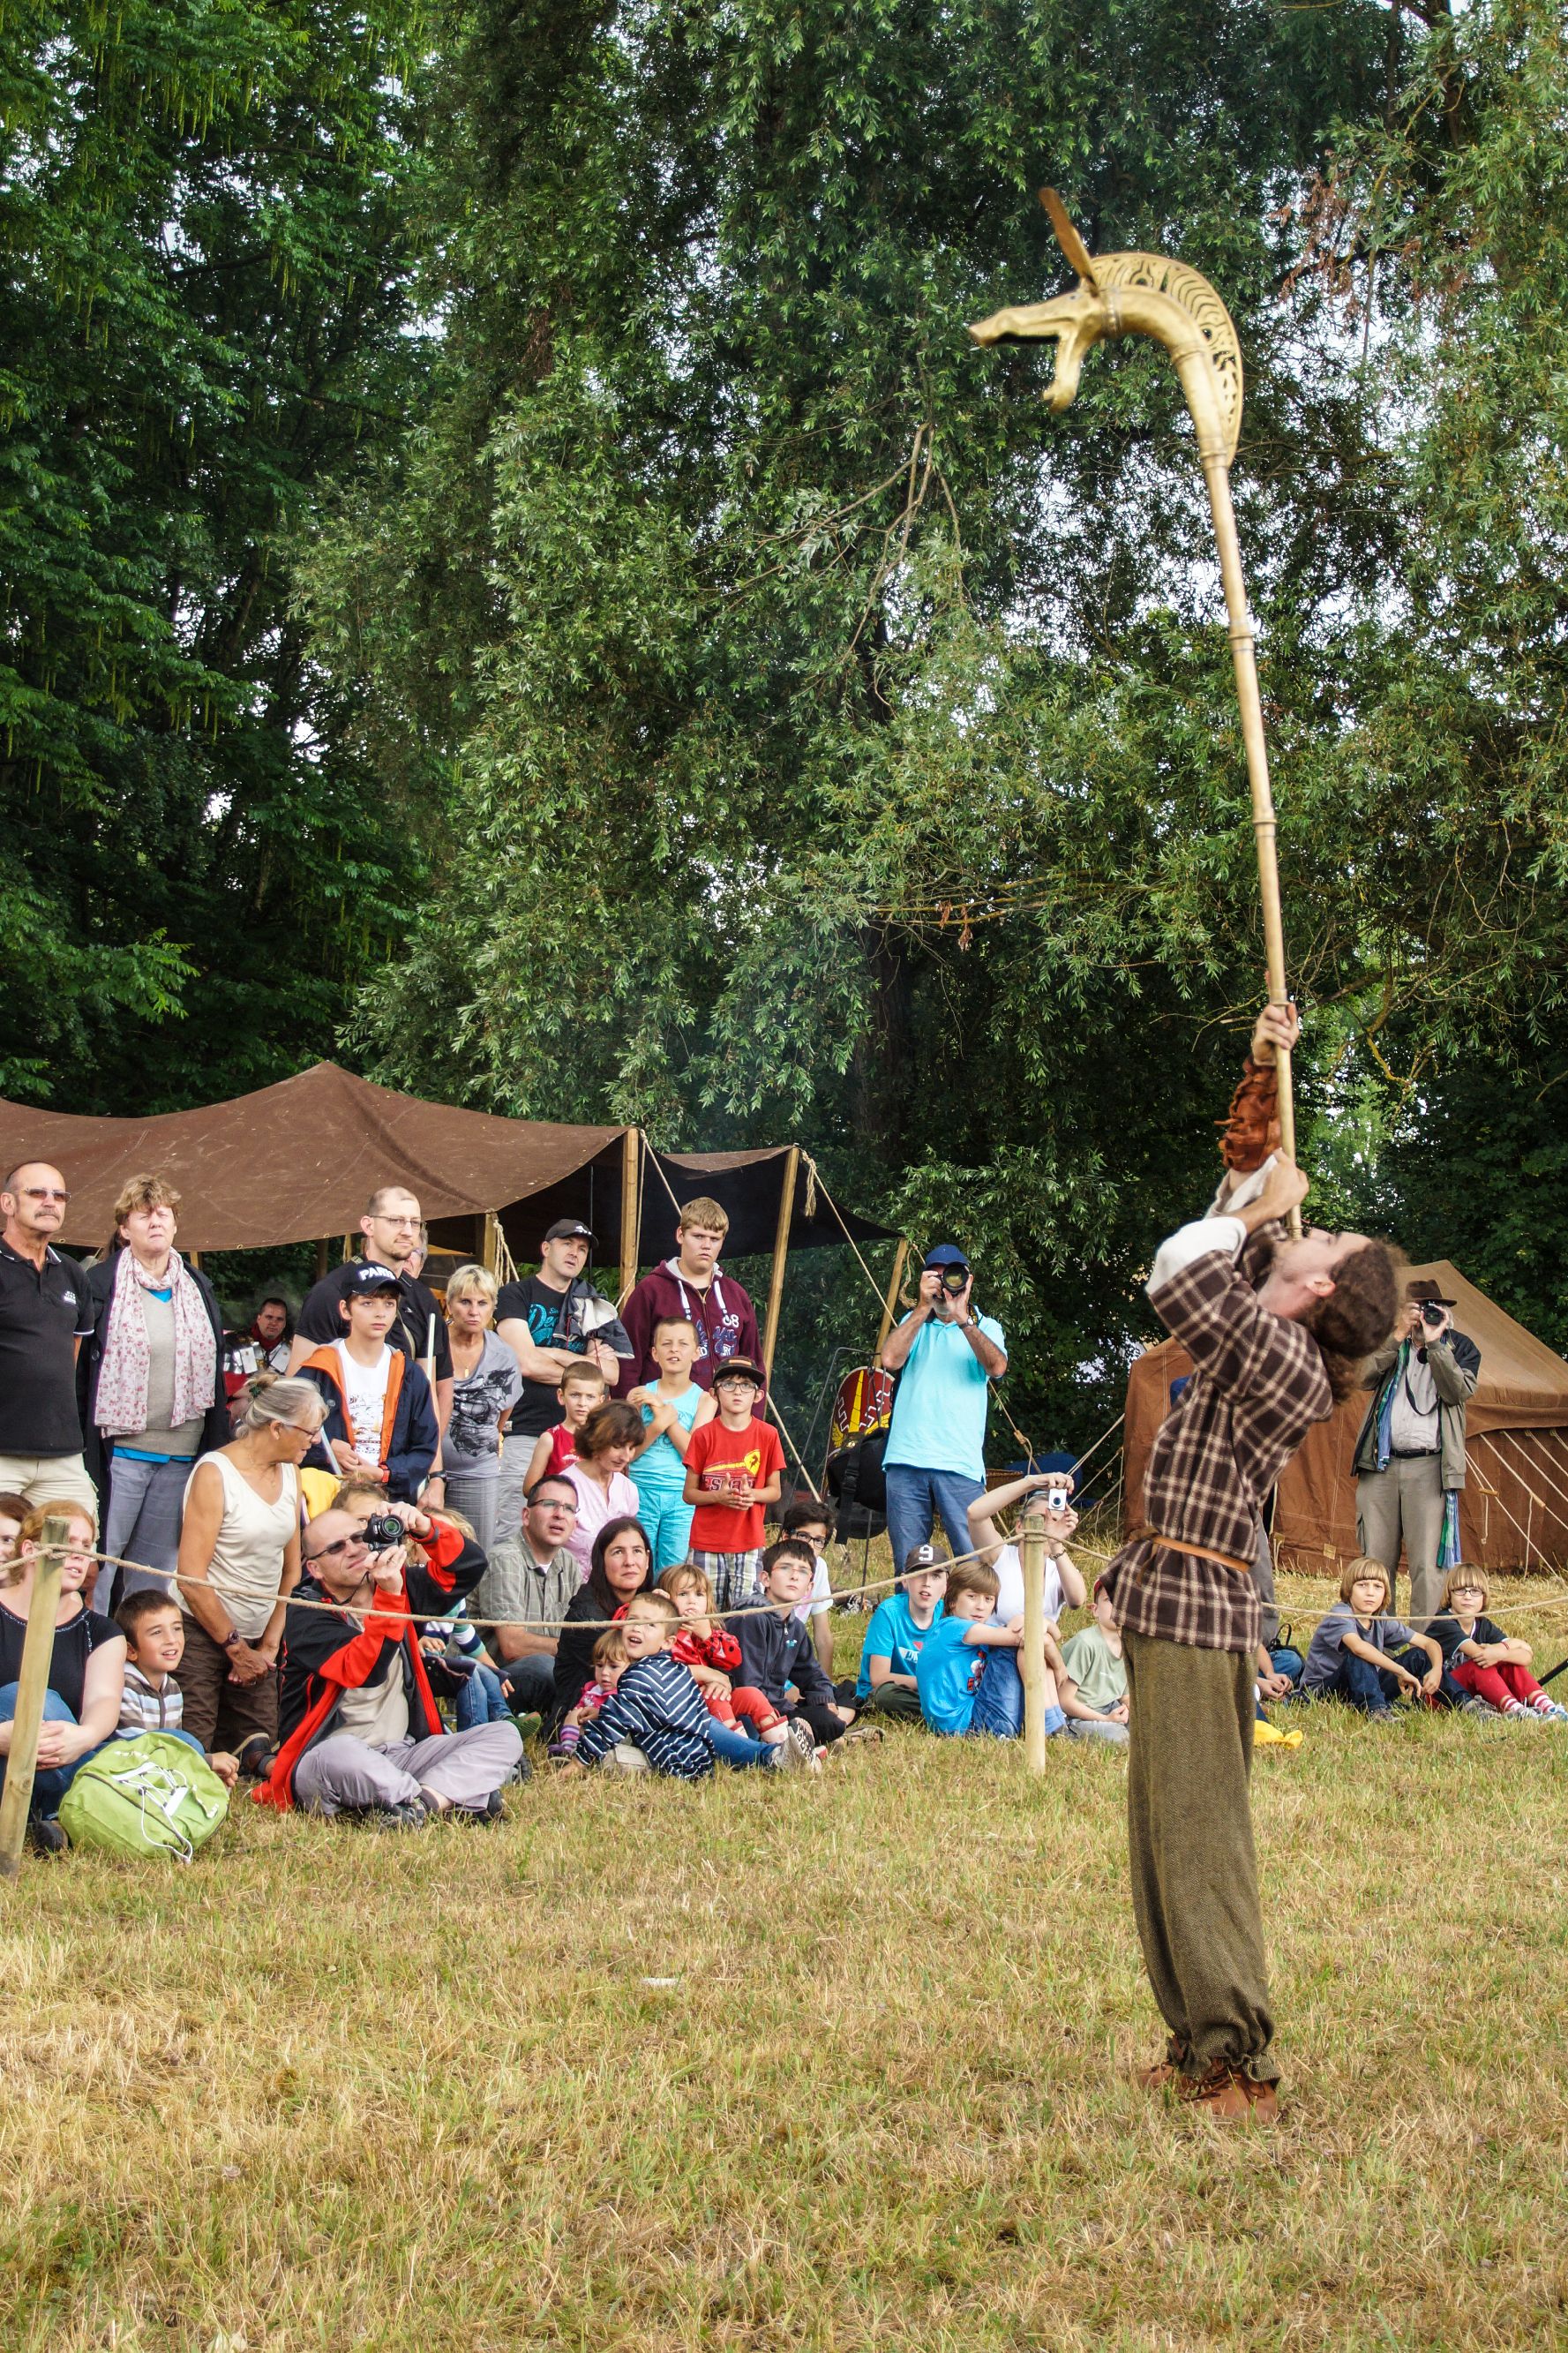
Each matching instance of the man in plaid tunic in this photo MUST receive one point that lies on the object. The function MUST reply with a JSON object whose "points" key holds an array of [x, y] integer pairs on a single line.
{"points": [[1277, 1330]]}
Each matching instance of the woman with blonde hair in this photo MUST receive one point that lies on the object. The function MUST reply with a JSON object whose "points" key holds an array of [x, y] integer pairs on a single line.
{"points": [[87, 1669], [239, 1560], [486, 1385], [150, 1379]]}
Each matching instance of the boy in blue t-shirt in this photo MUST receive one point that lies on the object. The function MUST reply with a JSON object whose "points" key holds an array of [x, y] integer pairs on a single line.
{"points": [[967, 1663], [897, 1635]]}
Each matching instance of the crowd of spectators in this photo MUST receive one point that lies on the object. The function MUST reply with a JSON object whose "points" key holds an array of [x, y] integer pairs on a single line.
{"points": [[361, 1558]]}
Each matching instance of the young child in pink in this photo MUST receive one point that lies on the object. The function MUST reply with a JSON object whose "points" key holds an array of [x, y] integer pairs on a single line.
{"points": [[714, 1654], [609, 1664]]}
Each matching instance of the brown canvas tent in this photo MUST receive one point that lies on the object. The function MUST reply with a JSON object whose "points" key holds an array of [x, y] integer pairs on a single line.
{"points": [[1514, 1510], [297, 1161]]}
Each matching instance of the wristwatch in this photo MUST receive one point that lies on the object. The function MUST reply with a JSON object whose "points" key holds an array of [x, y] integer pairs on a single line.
{"points": [[232, 1636]]}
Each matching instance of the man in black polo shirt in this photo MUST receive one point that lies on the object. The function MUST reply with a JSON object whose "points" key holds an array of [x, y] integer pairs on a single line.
{"points": [[45, 1314], [391, 1226]]}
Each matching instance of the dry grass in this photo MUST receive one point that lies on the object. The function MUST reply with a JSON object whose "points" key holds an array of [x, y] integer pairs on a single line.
{"points": [[833, 2065]]}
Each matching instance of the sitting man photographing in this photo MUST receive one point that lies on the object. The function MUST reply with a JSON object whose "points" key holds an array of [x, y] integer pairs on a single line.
{"points": [[357, 1718], [532, 1578]]}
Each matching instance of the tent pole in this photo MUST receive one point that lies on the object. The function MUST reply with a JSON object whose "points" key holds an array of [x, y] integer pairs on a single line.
{"points": [[489, 1255], [781, 1253], [890, 1305], [631, 1141], [348, 1248], [322, 1260]]}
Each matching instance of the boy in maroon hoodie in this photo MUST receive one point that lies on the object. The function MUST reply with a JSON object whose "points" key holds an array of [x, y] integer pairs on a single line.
{"points": [[694, 1285]]}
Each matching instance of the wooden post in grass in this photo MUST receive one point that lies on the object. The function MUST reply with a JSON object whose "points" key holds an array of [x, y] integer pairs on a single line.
{"points": [[1034, 1661], [37, 1656], [781, 1255], [631, 1237]]}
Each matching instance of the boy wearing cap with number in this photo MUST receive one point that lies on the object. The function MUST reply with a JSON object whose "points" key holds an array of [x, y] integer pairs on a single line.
{"points": [[896, 1636], [734, 1469]]}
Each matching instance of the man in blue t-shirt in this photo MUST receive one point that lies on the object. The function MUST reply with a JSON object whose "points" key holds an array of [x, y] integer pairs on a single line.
{"points": [[947, 1355]]}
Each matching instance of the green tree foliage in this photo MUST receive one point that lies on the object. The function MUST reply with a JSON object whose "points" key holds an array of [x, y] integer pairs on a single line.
{"points": [[770, 618], [202, 222]]}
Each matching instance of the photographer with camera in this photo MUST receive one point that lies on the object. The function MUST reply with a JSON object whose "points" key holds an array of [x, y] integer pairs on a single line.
{"points": [[360, 1729], [1410, 1456], [945, 1356]]}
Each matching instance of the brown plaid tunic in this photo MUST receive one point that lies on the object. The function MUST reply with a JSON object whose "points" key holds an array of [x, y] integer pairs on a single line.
{"points": [[1257, 1387]]}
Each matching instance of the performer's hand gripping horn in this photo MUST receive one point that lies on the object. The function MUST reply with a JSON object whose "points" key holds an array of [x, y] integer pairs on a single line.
{"points": [[1145, 294]]}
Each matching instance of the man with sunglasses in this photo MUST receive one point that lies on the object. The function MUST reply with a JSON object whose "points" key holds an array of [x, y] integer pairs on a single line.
{"points": [[359, 1728], [45, 1313]]}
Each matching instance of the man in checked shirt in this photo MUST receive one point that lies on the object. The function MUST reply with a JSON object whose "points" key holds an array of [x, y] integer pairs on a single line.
{"points": [[1276, 1331]]}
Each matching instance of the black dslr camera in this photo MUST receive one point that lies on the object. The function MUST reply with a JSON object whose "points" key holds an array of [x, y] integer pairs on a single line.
{"points": [[954, 1279], [383, 1530], [1431, 1314]]}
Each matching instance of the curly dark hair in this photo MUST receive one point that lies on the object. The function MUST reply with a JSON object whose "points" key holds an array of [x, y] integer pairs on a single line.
{"points": [[1359, 1315]]}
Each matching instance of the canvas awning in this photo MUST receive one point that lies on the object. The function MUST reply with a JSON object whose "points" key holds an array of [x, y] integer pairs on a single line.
{"points": [[1513, 1513], [298, 1161]]}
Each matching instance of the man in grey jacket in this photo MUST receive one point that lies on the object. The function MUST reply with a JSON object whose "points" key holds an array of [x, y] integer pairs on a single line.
{"points": [[1410, 1456]]}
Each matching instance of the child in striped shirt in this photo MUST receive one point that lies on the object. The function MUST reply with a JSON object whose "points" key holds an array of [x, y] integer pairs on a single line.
{"points": [[154, 1631], [657, 1713]]}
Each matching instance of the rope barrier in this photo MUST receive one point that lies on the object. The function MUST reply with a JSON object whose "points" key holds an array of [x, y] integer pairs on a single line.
{"points": [[748, 1610]]}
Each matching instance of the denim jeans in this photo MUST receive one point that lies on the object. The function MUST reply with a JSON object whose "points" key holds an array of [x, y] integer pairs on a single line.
{"points": [[918, 1499], [479, 1700], [1371, 1689], [999, 1702], [735, 1747], [50, 1783]]}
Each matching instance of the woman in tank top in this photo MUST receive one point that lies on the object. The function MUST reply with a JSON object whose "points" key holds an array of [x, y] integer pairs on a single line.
{"points": [[149, 1384], [239, 1560]]}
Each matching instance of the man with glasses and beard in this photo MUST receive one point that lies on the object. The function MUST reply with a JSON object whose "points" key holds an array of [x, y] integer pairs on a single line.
{"points": [[45, 1313], [392, 1230], [359, 1728]]}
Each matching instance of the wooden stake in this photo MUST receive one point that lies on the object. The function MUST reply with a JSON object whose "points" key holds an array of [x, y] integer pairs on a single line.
{"points": [[631, 1240], [1033, 1657], [890, 1305], [38, 1657], [781, 1254]]}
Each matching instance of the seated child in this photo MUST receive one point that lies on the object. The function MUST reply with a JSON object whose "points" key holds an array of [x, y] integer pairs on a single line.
{"points": [[712, 1656], [610, 1658], [658, 1713], [581, 1389], [154, 1629], [967, 1673], [1361, 1654], [1491, 1666], [813, 1522], [897, 1635], [1094, 1676], [776, 1649]]}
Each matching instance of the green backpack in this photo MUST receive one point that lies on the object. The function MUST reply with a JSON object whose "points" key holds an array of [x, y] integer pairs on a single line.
{"points": [[151, 1795]]}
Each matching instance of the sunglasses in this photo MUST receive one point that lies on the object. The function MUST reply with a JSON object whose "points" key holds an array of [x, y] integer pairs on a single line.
{"points": [[328, 1551], [43, 1193]]}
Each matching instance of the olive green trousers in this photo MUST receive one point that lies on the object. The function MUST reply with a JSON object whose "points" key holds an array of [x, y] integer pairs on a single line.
{"points": [[1195, 1874]]}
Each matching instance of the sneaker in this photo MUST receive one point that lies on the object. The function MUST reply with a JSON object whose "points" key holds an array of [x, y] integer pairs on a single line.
{"points": [[414, 1815], [530, 1725], [490, 1812], [799, 1748], [45, 1835], [255, 1756]]}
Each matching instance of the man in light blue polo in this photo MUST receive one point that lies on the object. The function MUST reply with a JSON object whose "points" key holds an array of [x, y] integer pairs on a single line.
{"points": [[936, 1458]]}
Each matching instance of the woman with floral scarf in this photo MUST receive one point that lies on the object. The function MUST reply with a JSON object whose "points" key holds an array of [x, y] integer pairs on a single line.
{"points": [[154, 1398]]}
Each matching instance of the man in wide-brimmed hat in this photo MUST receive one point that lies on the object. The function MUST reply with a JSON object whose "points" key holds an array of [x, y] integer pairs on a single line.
{"points": [[1410, 1456]]}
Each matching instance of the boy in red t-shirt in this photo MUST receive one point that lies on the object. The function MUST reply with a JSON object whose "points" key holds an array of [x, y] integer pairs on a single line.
{"points": [[734, 1469]]}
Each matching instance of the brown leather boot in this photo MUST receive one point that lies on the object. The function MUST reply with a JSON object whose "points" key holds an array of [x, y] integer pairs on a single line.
{"points": [[1231, 2094]]}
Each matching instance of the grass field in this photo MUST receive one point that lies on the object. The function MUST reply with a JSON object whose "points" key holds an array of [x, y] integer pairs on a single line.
{"points": [[827, 2065]]}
